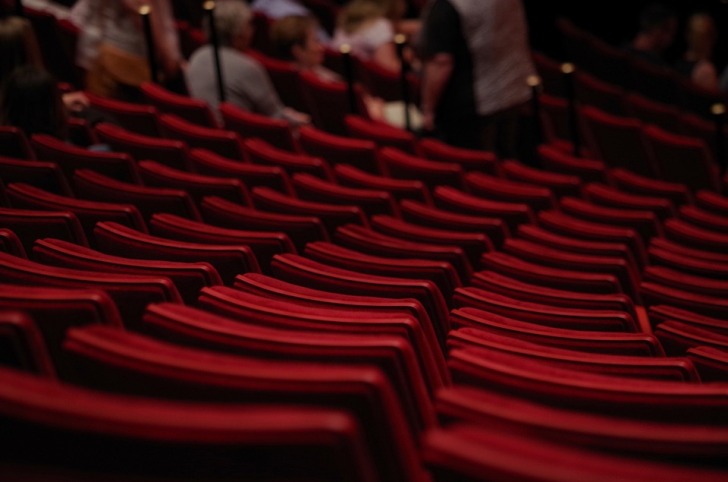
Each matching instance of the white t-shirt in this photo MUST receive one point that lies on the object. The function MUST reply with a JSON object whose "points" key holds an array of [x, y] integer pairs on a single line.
{"points": [[366, 39]]}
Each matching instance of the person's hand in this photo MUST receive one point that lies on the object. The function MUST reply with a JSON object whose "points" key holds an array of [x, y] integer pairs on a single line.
{"points": [[428, 121], [75, 101], [295, 117]]}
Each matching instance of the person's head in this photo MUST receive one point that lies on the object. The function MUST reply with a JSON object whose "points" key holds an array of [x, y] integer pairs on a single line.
{"points": [[357, 12], [700, 34], [233, 21], [659, 22], [296, 38], [18, 45], [30, 100]]}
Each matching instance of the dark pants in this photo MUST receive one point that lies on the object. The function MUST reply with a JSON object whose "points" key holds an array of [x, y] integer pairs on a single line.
{"points": [[498, 132]]}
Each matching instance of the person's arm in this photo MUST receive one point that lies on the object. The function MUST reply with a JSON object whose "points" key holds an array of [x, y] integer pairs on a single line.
{"points": [[436, 74], [386, 56], [438, 41], [705, 75]]}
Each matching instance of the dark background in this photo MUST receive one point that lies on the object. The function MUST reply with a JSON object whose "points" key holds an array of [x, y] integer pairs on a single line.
{"points": [[616, 22]]}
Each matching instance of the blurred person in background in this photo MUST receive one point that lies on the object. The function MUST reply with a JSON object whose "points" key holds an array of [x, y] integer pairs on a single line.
{"points": [[476, 60], [247, 84]]}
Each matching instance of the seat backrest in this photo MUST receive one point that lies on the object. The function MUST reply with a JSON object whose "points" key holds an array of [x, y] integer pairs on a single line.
{"points": [[300, 229], [10, 243], [608, 342], [30, 224], [402, 165], [208, 163], [54, 428], [200, 329], [264, 244], [223, 142], [167, 151], [259, 151], [285, 79], [45, 175], [138, 118], [189, 278], [328, 103], [131, 293], [15, 144], [192, 110], [22, 346], [162, 369], [373, 242], [332, 215], [228, 260], [296, 269], [467, 452], [24, 196], [664, 401], [384, 135], [196, 185], [148, 199], [431, 357], [569, 318], [118, 165], [617, 141], [683, 159], [371, 201], [276, 132], [335, 149]]}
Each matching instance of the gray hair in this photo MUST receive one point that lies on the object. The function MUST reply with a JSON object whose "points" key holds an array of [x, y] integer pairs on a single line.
{"points": [[232, 17]]}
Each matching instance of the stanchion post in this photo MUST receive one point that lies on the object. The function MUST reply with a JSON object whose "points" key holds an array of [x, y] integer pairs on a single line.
{"points": [[534, 82], [568, 70], [209, 8], [346, 59], [719, 112], [145, 11], [401, 41]]}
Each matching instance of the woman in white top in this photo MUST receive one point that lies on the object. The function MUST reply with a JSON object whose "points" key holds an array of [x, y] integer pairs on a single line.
{"points": [[369, 27]]}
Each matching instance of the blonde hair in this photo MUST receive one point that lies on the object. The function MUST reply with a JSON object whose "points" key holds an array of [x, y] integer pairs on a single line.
{"points": [[358, 12]]}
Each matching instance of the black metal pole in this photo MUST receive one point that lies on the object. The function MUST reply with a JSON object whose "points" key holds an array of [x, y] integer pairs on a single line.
{"points": [[346, 59], [400, 41], [718, 111], [145, 12], [568, 70], [534, 82], [210, 9]]}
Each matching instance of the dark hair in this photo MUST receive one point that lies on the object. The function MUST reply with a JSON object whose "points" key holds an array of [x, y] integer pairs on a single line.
{"points": [[30, 100], [18, 45], [656, 14]]}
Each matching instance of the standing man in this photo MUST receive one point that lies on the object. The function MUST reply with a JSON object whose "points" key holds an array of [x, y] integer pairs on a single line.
{"points": [[476, 61]]}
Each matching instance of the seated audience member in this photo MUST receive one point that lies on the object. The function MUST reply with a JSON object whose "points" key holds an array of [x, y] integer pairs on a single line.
{"points": [[369, 27], [696, 62], [275, 9], [294, 39], [656, 34], [112, 46], [247, 84], [31, 101], [19, 47]]}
